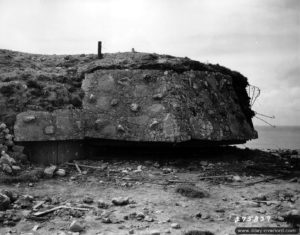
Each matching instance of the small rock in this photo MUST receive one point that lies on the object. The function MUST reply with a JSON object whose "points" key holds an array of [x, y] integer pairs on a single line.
{"points": [[154, 232], [236, 178], [120, 128], [88, 200], [6, 168], [138, 169], [4, 202], [60, 172], [119, 201], [260, 197], [13, 196], [75, 227], [158, 96], [7, 159], [24, 201], [73, 178], [114, 102], [140, 216], [92, 98], [148, 219], [167, 170], [2, 126], [16, 168], [131, 231], [175, 226], [154, 124], [134, 107], [102, 204], [49, 171]]}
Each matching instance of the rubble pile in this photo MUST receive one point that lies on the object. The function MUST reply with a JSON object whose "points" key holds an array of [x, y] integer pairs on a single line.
{"points": [[11, 155], [108, 193]]}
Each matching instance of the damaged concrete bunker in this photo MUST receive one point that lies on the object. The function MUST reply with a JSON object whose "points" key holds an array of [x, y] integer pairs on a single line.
{"points": [[55, 103]]}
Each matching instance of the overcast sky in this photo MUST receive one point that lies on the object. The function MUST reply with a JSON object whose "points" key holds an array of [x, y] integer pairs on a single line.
{"points": [[259, 38]]}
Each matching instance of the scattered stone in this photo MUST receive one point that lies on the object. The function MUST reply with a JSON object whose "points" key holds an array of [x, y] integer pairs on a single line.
{"points": [[191, 191], [154, 232], [16, 168], [120, 201], [4, 202], [138, 169], [49, 171], [167, 170], [102, 204], [24, 201], [60, 172], [120, 128], [175, 226], [131, 231], [154, 124], [114, 102], [134, 107], [7, 169], [260, 197], [13, 196], [148, 218], [158, 96], [88, 200], [140, 216], [236, 178], [76, 227]]}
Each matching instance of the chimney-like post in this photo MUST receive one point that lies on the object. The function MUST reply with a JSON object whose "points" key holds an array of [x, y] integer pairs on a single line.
{"points": [[99, 50]]}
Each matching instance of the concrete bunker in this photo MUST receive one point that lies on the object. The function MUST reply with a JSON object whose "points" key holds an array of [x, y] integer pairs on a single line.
{"points": [[123, 99]]}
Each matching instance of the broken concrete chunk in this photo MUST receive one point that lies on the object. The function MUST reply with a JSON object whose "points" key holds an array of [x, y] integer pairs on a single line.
{"points": [[60, 172], [49, 171]]}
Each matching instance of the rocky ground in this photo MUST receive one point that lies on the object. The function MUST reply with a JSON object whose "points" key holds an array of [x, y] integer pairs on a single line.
{"points": [[206, 192]]}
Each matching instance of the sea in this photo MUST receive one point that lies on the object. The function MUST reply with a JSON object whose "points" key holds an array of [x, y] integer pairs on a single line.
{"points": [[280, 137]]}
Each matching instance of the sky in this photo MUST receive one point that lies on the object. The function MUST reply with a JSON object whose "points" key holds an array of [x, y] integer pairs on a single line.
{"points": [[258, 38]]}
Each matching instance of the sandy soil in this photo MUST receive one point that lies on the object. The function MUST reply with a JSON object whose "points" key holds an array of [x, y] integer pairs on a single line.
{"points": [[151, 187]]}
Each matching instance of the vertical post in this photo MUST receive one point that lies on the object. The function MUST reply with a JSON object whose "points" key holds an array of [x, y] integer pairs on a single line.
{"points": [[99, 50]]}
